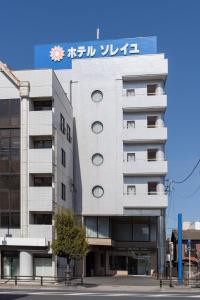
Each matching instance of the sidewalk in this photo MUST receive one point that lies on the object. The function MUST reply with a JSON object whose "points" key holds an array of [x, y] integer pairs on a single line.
{"points": [[88, 287]]}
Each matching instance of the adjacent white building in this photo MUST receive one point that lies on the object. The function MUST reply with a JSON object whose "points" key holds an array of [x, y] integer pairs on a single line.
{"points": [[36, 169]]}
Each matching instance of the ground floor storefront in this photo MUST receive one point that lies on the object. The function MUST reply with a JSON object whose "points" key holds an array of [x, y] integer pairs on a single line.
{"points": [[121, 261], [25, 263], [26, 257], [126, 245]]}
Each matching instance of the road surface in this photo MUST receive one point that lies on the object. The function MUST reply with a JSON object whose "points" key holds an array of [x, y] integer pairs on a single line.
{"points": [[11, 294]]}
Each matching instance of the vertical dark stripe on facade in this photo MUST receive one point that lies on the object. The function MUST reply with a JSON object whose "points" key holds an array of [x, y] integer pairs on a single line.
{"points": [[10, 163]]}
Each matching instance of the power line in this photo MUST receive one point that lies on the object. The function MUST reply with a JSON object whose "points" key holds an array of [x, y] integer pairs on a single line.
{"points": [[189, 175], [190, 195]]}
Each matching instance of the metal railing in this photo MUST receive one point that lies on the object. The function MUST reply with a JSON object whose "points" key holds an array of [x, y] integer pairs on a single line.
{"points": [[124, 94], [66, 280]]}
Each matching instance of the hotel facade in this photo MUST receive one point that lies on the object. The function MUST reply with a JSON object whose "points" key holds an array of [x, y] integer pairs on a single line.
{"points": [[115, 164]]}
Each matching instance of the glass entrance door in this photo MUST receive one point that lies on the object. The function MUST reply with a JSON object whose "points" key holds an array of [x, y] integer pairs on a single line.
{"points": [[143, 265], [132, 266]]}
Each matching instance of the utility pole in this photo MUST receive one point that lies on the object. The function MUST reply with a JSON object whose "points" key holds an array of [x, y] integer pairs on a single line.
{"points": [[171, 254], [180, 275], [189, 255]]}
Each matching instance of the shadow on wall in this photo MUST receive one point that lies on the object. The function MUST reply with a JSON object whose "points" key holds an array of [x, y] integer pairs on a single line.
{"points": [[77, 174]]}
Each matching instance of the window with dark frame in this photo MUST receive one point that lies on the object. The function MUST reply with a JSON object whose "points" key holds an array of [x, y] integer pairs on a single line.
{"points": [[42, 219], [152, 188], [9, 163], [151, 89], [63, 157], [42, 144], [62, 124], [42, 181], [42, 105], [130, 157], [131, 190], [151, 154], [130, 92], [63, 191], [151, 121], [130, 124], [69, 133]]}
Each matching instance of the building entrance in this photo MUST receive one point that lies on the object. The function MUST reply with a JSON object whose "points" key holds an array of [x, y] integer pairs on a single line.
{"points": [[141, 265], [134, 264]]}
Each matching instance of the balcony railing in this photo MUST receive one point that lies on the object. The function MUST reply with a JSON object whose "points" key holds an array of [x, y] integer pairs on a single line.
{"points": [[144, 134], [144, 102]]}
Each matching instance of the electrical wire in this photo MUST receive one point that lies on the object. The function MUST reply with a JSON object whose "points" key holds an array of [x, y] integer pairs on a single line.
{"points": [[189, 175], [190, 195]]}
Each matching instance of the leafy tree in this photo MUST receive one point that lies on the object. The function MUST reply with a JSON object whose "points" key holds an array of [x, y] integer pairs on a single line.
{"points": [[70, 241]]}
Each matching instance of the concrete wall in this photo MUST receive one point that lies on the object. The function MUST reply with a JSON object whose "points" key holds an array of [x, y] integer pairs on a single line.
{"points": [[108, 75]]}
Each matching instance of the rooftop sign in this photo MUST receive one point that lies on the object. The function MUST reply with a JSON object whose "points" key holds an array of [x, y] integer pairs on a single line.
{"points": [[60, 55]]}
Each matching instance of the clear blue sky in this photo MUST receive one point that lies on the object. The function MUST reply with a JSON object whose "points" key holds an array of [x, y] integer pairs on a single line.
{"points": [[176, 23]]}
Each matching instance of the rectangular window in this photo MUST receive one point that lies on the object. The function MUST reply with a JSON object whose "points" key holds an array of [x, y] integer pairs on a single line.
{"points": [[10, 163], [141, 232], [151, 121], [131, 189], [42, 105], [63, 191], [42, 181], [130, 124], [91, 226], [103, 227], [63, 157], [124, 232], [69, 133], [42, 144], [42, 219], [151, 89], [151, 154], [130, 92], [62, 123], [152, 188], [130, 157], [15, 220]]}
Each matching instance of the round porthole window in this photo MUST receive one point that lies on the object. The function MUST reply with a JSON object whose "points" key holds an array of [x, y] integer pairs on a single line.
{"points": [[97, 191], [97, 96], [97, 159], [97, 127]]}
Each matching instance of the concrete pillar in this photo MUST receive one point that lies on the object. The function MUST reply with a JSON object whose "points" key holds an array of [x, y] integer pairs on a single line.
{"points": [[161, 243], [25, 263], [159, 122], [24, 147], [54, 266], [160, 88], [107, 264]]}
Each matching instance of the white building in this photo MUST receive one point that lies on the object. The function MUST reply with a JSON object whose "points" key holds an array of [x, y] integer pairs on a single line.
{"points": [[191, 225], [120, 133], [36, 168], [119, 136]]}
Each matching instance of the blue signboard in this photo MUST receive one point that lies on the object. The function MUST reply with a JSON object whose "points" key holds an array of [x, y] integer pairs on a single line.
{"points": [[60, 55]]}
